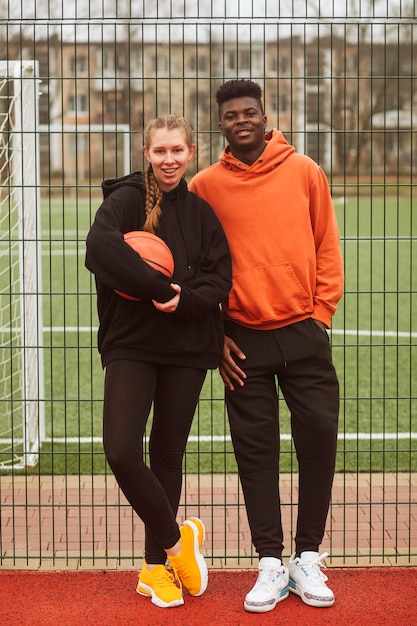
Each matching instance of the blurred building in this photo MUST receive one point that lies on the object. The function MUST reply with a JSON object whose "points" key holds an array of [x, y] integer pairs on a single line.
{"points": [[350, 106]]}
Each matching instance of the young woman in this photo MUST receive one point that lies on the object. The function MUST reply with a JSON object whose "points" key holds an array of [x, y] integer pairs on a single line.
{"points": [[156, 349]]}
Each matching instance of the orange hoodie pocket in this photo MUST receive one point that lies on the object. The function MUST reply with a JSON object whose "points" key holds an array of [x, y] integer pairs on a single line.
{"points": [[267, 293]]}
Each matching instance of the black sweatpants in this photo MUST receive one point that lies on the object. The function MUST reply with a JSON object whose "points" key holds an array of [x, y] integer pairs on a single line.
{"points": [[299, 358], [154, 492]]}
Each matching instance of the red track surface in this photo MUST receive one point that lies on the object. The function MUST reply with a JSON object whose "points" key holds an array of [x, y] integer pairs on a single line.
{"points": [[363, 596]]}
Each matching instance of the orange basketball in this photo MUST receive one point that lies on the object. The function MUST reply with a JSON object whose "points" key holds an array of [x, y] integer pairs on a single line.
{"points": [[153, 250]]}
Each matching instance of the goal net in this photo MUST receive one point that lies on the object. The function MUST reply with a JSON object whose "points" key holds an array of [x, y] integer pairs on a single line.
{"points": [[21, 327]]}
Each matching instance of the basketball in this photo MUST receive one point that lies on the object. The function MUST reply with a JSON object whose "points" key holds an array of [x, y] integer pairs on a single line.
{"points": [[153, 250]]}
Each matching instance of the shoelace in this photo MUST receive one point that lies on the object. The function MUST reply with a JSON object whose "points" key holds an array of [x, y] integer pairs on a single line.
{"points": [[313, 570], [267, 577], [167, 578]]}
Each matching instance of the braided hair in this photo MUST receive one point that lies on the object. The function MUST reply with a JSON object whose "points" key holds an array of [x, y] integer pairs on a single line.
{"points": [[153, 199], [153, 195]]}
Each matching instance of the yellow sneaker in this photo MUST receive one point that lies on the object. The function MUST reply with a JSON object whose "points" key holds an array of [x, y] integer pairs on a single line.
{"points": [[161, 585], [189, 564]]}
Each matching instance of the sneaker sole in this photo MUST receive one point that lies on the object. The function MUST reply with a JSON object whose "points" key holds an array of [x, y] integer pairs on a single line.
{"points": [[317, 602], [201, 529], [195, 524], [145, 590], [265, 608]]}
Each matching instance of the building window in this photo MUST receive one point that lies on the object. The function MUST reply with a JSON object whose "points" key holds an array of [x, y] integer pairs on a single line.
{"points": [[280, 64], [197, 64], [78, 64], [244, 60], [112, 59], [77, 104], [279, 102], [160, 64]]}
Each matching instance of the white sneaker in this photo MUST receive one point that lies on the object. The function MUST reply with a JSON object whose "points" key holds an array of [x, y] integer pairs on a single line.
{"points": [[270, 588], [308, 581]]}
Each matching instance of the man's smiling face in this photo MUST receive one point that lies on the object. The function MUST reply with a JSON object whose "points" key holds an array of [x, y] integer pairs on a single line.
{"points": [[243, 123]]}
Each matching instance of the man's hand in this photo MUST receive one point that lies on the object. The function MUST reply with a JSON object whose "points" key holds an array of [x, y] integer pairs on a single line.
{"points": [[229, 370], [171, 305]]}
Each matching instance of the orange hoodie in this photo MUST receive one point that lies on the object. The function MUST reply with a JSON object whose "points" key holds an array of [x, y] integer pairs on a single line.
{"points": [[281, 226]]}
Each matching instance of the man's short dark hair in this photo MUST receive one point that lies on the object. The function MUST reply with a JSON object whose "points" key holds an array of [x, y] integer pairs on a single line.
{"points": [[239, 88]]}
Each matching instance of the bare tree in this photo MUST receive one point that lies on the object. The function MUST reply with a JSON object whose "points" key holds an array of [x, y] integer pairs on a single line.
{"points": [[370, 73]]}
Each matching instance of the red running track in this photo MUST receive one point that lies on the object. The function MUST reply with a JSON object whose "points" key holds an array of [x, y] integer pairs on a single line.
{"points": [[364, 597]]}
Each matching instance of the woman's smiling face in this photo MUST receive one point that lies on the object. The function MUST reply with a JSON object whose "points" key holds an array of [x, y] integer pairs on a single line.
{"points": [[168, 154]]}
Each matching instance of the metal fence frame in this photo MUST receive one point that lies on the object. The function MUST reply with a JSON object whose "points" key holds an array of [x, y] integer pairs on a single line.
{"points": [[343, 90]]}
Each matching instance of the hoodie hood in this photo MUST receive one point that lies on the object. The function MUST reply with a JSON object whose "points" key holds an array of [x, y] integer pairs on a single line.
{"points": [[277, 149], [177, 194], [136, 179], [171, 200]]}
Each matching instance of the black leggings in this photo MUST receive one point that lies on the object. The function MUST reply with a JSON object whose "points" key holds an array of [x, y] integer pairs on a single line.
{"points": [[153, 492], [299, 357]]}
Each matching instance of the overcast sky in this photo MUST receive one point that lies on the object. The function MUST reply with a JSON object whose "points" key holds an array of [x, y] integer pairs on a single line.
{"points": [[218, 9], [207, 20]]}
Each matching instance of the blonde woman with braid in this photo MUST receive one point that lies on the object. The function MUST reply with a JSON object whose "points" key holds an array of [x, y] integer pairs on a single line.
{"points": [[157, 350]]}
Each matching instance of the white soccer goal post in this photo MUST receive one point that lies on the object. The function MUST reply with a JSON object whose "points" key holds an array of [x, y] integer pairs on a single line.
{"points": [[22, 426]]}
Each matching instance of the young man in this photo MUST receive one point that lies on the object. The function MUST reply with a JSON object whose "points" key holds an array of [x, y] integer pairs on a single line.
{"points": [[276, 210]]}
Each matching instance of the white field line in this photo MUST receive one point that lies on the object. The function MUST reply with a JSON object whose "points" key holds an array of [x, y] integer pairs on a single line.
{"points": [[227, 439], [334, 331], [283, 437], [76, 246]]}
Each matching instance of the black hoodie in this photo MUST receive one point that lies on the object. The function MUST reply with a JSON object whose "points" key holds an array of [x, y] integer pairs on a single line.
{"points": [[193, 334]]}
